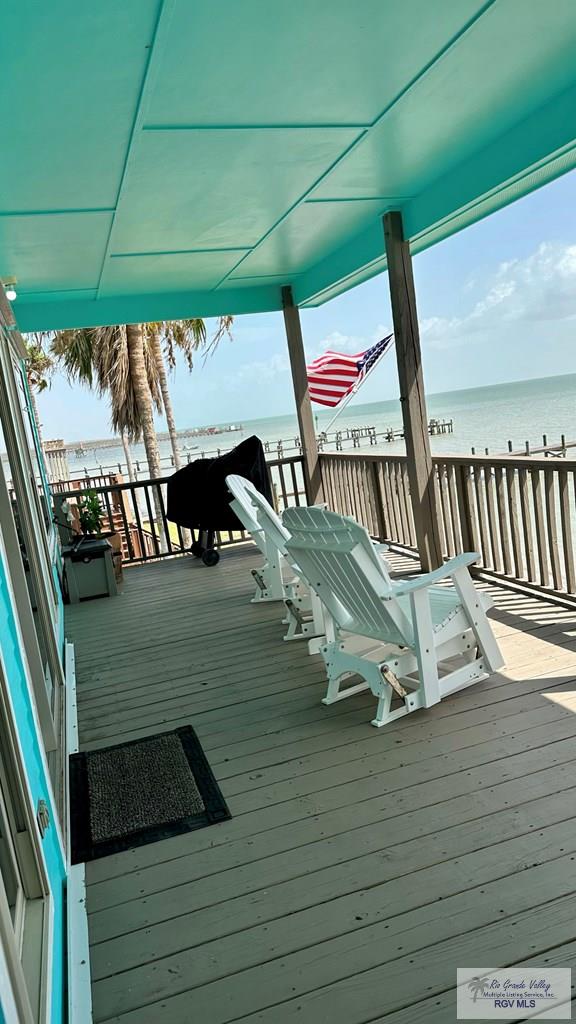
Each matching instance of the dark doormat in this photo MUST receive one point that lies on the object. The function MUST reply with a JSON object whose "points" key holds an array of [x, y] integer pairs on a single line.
{"points": [[139, 792]]}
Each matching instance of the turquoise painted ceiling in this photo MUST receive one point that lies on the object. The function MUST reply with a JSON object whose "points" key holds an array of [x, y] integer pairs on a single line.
{"points": [[165, 159]]}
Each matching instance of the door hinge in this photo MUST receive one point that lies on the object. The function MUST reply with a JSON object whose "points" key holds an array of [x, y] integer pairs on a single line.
{"points": [[42, 817]]}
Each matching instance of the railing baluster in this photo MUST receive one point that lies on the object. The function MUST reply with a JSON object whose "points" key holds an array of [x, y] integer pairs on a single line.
{"points": [[128, 538], [283, 487], [481, 509], [397, 494], [294, 484], [552, 529], [492, 517], [527, 531], [408, 504], [164, 520], [503, 521], [331, 494], [444, 509], [336, 496], [108, 511], [540, 525], [512, 489], [454, 513], [359, 512], [396, 531], [468, 531], [566, 520], [404, 491], [151, 520]]}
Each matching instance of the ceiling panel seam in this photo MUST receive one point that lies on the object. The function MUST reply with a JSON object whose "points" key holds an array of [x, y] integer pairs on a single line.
{"points": [[284, 126], [364, 134], [56, 213], [292, 207], [179, 252], [165, 11]]}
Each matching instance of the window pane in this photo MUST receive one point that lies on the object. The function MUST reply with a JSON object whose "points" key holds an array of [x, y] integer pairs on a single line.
{"points": [[8, 865], [14, 502], [31, 443]]}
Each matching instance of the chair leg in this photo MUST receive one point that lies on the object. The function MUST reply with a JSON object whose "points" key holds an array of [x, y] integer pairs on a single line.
{"points": [[382, 716], [269, 585], [299, 627], [479, 623], [338, 669], [424, 648]]}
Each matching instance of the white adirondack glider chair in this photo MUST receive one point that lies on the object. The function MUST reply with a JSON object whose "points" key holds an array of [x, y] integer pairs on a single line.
{"points": [[268, 579], [276, 580], [410, 640]]}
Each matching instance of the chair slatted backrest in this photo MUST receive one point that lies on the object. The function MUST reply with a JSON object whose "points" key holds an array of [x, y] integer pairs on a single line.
{"points": [[257, 514], [270, 522], [338, 559], [245, 509]]}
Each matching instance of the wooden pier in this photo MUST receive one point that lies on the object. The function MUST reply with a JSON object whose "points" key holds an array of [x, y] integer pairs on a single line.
{"points": [[355, 437], [547, 450]]}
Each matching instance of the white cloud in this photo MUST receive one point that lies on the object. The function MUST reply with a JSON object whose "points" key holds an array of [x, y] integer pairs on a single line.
{"points": [[257, 371], [541, 287], [338, 342]]}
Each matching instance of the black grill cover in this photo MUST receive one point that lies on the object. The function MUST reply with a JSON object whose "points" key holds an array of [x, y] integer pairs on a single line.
{"points": [[198, 496]]}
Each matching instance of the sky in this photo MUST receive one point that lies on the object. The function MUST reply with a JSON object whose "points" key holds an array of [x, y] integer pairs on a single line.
{"points": [[496, 303]]}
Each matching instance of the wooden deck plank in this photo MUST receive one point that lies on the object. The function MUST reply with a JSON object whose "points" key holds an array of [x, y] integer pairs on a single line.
{"points": [[446, 837]]}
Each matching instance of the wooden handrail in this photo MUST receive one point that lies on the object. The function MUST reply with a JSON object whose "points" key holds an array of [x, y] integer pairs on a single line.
{"points": [[128, 510], [519, 512]]}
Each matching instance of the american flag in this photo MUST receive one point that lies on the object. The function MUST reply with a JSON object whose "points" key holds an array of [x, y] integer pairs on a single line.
{"points": [[334, 375]]}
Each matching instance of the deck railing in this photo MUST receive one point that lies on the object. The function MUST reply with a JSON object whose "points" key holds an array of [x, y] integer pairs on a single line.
{"points": [[518, 513], [135, 513], [79, 484]]}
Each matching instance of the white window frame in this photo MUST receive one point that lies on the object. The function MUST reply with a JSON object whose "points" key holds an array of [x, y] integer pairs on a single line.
{"points": [[36, 537], [29, 967]]}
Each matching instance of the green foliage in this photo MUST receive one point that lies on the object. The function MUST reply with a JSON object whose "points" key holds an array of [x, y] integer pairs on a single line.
{"points": [[39, 364], [90, 513]]}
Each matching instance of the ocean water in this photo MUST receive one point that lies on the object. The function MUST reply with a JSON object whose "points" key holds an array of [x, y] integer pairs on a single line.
{"points": [[486, 417]]}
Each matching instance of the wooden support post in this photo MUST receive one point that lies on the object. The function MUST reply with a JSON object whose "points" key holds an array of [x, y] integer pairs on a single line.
{"points": [[412, 400], [312, 475]]}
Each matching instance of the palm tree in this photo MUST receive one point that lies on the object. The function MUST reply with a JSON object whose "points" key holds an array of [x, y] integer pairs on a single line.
{"points": [[187, 336], [478, 985], [39, 367], [118, 361]]}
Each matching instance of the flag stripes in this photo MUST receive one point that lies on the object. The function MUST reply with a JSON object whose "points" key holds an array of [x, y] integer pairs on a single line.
{"points": [[332, 376]]}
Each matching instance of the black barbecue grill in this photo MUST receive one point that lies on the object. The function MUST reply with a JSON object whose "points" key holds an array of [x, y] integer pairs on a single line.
{"points": [[198, 498]]}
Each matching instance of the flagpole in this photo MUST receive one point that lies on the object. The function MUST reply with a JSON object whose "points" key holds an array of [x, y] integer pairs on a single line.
{"points": [[357, 387]]}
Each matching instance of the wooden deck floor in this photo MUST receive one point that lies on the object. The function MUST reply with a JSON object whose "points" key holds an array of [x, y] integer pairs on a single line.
{"points": [[361, 866]]}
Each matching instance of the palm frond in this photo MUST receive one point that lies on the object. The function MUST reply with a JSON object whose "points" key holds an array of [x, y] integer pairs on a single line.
{"points": [[189, 337], [74, 352], [98, 358]]}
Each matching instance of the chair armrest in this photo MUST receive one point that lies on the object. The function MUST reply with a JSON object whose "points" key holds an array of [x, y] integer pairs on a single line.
{"points": [[452, 566]]}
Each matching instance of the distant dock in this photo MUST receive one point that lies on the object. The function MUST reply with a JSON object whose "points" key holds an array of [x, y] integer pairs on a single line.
{"points": [[557, 451], [355, 437]]}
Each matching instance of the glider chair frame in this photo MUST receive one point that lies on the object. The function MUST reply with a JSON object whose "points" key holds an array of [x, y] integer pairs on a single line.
{"points": [[412, 642], [303, 609]]}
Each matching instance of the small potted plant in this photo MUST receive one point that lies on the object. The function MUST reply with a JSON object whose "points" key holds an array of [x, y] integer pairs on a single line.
{"points": [[89, 558], [90, 515]]}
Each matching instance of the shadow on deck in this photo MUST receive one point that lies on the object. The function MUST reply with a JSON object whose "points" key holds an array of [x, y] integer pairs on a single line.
{"points": [[361, 866]]}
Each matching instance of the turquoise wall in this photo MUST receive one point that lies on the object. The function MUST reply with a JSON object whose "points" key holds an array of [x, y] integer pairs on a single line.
{"points": [[30, 743]]}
